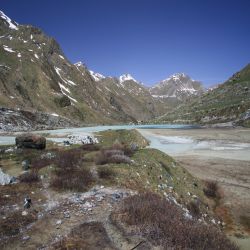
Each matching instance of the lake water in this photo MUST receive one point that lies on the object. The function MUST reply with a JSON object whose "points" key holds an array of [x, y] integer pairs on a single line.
{"points": [[172, 145], [10, 140]]}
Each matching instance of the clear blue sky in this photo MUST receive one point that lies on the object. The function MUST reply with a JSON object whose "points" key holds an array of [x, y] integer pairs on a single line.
{"points": [[151, 39]]}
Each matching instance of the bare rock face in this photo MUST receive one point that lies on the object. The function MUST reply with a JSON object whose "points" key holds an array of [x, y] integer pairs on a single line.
{"points": [[31, 141]]}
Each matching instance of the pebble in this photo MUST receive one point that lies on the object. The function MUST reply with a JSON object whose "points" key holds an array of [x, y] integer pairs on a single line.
{"points": [[58, 222], [24, 213], [27, 237]]}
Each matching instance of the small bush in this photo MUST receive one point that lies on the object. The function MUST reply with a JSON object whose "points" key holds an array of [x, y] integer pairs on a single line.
{"points": [[211, 189], [193, 208], [105, 173], [111, 156], [14, 223], [90, 147], [163, 223], [29, 177], [91, 235], [69, 173], [119, 159], [72, 179]]}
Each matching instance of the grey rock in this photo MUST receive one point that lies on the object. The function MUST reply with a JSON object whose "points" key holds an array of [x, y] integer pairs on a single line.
{"points": [[26, 165], [31, 141]]}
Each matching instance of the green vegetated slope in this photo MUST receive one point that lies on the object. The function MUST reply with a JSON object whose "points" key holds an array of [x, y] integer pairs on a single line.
{"points": [[229, 102], [151, 169]]}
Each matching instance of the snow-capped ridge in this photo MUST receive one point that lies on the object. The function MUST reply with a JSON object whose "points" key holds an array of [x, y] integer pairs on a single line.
{"points": [[97, 76], [79, 64], [127, 77], [176, 77], [12, 25]]}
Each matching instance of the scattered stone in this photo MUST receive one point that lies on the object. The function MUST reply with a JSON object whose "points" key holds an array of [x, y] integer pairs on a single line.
{"points": [[49, 155], [5, 179], [9, 150], [213, 221], [31, 141], [58, 222], [25, 238], [26, 165], [117, 196], [66, 214], [24, 213], [13, 180], [27, 202], [195, 184], [80, 139]]}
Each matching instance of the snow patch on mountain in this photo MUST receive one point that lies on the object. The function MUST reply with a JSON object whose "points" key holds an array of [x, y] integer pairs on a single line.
{"points": [[97, 76], [79, 64], [12, 24], [6, 48], [126, 77]]}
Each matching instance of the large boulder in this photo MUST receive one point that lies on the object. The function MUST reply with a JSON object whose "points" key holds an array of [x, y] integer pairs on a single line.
{"points": [[31, 141]]}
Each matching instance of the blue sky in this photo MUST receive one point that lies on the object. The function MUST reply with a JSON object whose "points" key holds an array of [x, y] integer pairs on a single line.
{"points": [[151, 39]]}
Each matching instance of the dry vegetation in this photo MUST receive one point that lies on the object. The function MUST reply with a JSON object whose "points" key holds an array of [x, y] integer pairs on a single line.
{"points": [[92, 236], [29, 177], [163, 223], [71, 173], [118, 153], [211, 189]]}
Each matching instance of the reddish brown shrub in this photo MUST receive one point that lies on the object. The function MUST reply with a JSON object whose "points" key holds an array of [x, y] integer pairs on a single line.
{"points": [[29, 177], [163, 223], [70, 173], [211, 189], [111, 156], [72, 179], [193, 208], [105, 173]]}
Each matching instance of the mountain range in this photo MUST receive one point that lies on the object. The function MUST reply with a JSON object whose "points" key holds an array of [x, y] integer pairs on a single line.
{"points": [[36, 77]]}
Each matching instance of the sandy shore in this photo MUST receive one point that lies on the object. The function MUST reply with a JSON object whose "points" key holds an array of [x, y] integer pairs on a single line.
{"points": [[215, 154]]}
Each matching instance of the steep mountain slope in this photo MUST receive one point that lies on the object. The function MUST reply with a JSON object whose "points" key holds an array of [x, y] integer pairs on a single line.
{"points": [[36, 76], [228, 102]]}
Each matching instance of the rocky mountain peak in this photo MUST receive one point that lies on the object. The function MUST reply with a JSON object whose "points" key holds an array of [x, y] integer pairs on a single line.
{"points": [[178, 85], [177, 77], [97, 76], [11, 24], [127, 77]]}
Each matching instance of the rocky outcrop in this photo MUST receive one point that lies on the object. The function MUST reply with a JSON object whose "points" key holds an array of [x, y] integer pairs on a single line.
{"points": [[31, 141]]}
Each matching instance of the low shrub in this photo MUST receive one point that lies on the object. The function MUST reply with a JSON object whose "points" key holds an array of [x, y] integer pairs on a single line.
{"points": [[163, 223], [105, 173], [91, 235], [193, 208], [90, 147], [73, 179], [13, 224], [70, 173], [211, 189], [29, 177], [111, 156], [119, 159]]}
